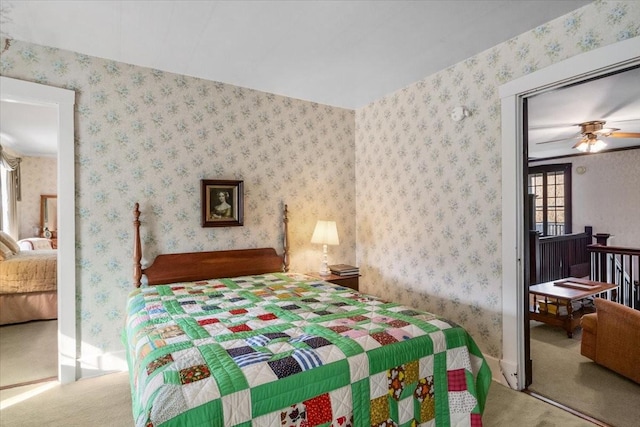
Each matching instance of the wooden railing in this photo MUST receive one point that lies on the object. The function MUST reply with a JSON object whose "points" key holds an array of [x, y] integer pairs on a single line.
{"points": [[557, 257], [617, 265]]}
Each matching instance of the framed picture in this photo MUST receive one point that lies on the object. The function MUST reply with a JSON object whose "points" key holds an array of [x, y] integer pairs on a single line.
{"points": [[222, 203]]}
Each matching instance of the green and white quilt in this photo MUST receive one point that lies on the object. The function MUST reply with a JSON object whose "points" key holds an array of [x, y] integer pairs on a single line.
{"points": [[288, 350]]}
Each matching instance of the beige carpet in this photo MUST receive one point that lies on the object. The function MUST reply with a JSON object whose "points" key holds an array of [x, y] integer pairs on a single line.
{"points": [[106, 400], [99, 401], [23, 360], [509, 408], [562, 374]]}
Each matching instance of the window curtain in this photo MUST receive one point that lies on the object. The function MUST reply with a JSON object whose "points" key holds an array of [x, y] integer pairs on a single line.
{"points": [[11, 192]]}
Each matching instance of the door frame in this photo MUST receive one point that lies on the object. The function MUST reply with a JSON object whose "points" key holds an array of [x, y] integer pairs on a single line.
{"points": [[581, 67], [63, 100]]}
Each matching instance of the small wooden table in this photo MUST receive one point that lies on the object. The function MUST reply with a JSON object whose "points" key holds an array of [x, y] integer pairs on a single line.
{"points": [[560, 294], [346, 281]]}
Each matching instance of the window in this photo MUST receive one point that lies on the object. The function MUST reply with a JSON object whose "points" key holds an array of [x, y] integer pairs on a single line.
{"points": [[551, 185]]}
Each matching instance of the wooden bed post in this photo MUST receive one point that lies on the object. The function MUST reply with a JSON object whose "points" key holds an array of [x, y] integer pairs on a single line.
{"points": [[285, 256], [137, 250]]}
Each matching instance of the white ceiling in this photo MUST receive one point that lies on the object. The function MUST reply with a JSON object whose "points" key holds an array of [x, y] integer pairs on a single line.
{"points": [[29, 129], [555, 116], [340, 53]]}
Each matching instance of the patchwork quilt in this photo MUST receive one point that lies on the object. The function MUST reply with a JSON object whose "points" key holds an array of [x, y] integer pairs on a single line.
{"points": [[288, 350]]}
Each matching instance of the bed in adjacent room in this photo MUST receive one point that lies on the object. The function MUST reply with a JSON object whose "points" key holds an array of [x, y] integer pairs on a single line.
{"points": [[231, 338], [28, 278]]}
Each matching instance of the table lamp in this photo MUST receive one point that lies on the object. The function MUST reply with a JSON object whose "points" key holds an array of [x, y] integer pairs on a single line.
{"points": [[325, 234]]}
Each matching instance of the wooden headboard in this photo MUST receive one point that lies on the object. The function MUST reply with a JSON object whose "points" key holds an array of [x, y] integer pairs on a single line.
{"points": [[193, 266]]}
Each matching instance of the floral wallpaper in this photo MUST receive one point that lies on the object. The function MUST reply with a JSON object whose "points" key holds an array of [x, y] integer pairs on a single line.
{"points": [[39, 176], [429, 188], [416, 196], [147, 136]]}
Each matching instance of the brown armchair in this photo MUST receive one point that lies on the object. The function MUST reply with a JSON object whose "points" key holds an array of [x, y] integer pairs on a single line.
{"points": [[611, 338]]}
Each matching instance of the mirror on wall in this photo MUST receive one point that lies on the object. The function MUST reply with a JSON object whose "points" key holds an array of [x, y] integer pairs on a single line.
{"points": [[49, 214]]}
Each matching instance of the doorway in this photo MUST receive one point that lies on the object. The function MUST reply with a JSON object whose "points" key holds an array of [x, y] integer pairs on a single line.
{"points": [[591, 64], [63, 100], [553, 127]]}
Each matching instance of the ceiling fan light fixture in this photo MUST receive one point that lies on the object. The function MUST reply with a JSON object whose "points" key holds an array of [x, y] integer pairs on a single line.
{"points": [[590, 144]]}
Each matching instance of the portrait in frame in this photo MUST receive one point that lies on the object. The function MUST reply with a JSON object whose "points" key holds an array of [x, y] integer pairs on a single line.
{"points": [[222, 203]]}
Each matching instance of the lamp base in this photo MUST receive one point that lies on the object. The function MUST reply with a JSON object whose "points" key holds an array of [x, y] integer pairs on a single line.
{"points": [[324, 267]]}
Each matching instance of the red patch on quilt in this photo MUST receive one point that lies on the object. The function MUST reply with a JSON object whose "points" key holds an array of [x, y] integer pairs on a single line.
{"points": [[268, 316], [398, 323], [238, 311], [318, 409], [457, 380], [339, 329], [343, 422], [240, 328], [476, 420], [383, 338], [208, 321]]}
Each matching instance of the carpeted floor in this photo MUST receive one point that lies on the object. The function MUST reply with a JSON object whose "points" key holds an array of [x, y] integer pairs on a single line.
{"points": [[23, 360], [106, 400], [562, 374]]}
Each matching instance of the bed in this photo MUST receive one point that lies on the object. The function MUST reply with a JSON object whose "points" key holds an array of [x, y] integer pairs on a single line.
{"points": [[28, 278], [234, 339]]}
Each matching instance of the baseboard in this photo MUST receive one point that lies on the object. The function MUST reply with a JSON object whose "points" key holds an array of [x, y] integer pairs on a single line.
{"points": [[101, 364], [498, 372]]}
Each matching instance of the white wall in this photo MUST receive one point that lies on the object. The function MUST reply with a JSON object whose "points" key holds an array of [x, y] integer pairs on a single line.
{"points": [[607, 195]]}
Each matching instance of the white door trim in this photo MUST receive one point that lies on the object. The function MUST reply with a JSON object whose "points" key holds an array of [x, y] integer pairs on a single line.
{"points": [[580, 67], [64, 100]]}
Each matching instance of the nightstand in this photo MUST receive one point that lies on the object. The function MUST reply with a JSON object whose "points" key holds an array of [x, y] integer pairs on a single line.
{"points": [[346, 281]]}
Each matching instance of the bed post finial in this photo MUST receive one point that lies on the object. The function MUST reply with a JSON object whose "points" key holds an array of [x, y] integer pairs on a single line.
{"points": [[285, 257], [137, 251]]}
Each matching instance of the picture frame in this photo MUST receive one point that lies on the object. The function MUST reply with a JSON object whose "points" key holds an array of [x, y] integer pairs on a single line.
{"points": [[222, 203]]}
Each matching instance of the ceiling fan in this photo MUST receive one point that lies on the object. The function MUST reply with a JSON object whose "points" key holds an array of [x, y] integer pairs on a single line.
{"points": [[590, 132]]}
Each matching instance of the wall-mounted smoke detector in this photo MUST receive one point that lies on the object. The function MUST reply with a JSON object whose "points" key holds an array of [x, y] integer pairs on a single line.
{"points": [[459, 113]]}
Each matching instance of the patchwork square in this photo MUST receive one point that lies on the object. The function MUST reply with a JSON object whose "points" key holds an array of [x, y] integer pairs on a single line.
{"points": [[316, 342], [210, 321], [240, 328], [318, 410], [384, 338], [194, 373], [159, 362], [285, 367], [457, 380]]}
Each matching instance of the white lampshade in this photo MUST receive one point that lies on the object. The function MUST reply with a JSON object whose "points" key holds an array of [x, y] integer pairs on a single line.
{"points": [[325, 233]]}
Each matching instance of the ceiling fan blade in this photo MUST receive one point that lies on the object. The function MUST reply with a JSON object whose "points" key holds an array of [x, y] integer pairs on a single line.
{"points": [[625, 135], [555, 140], [622, 121], [563, 126]]}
